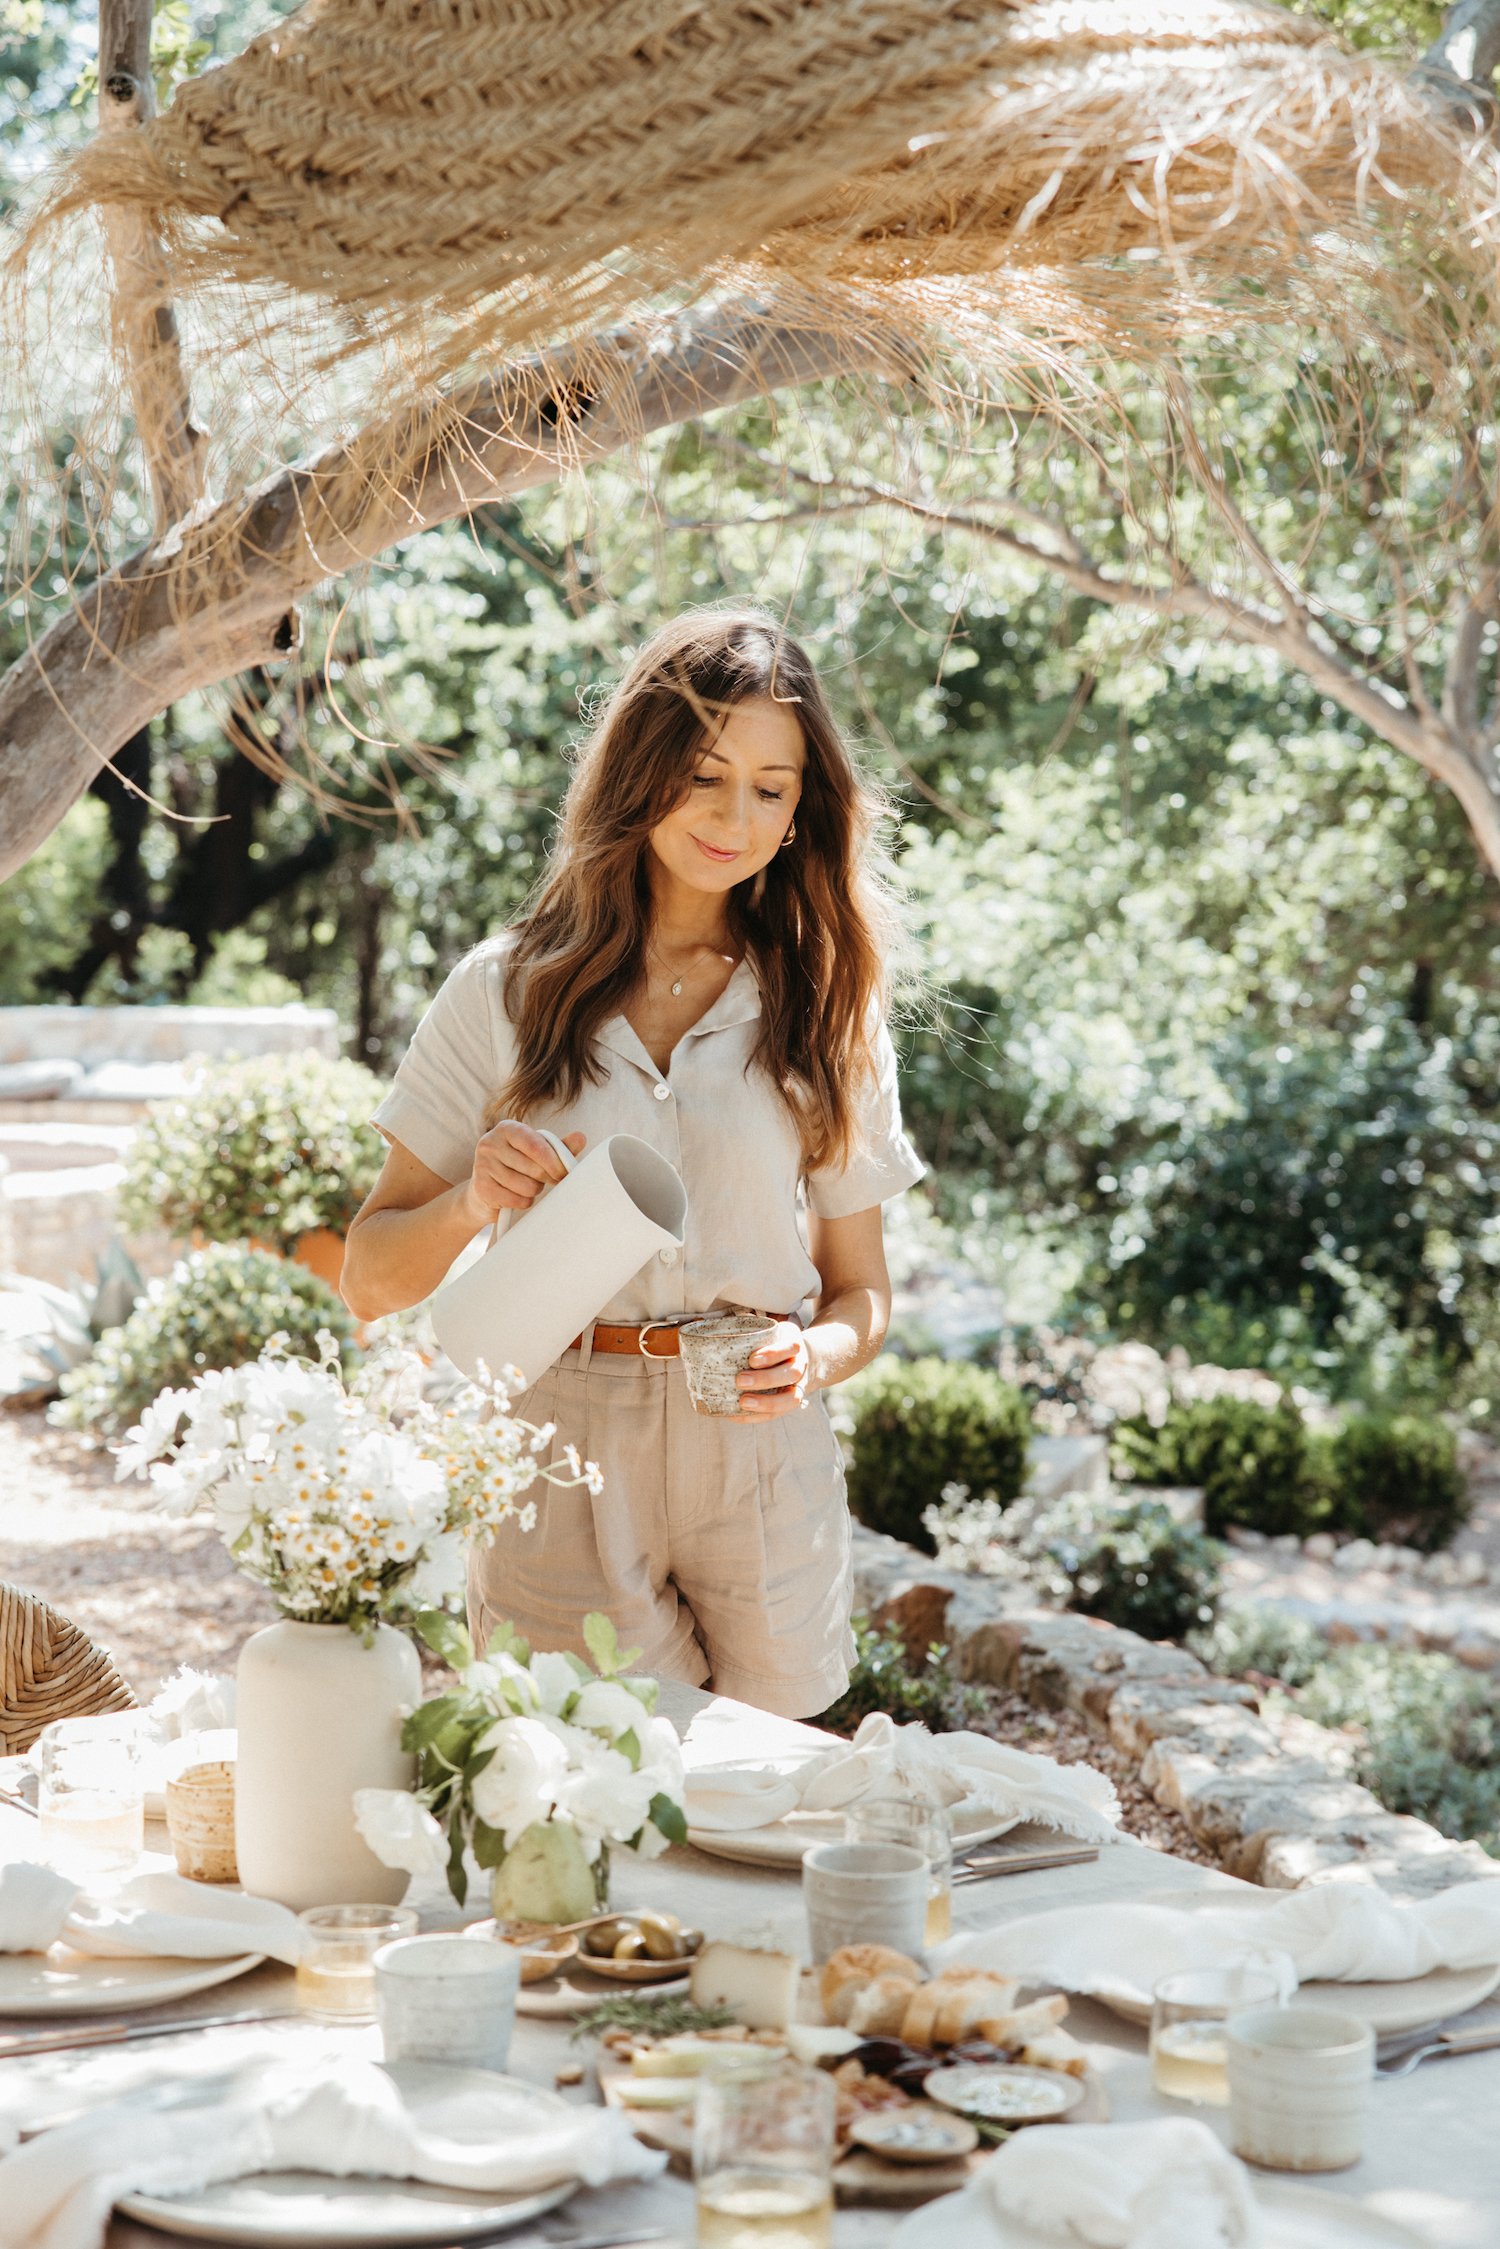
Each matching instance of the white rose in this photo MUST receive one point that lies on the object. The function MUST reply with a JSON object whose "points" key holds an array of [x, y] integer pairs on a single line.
{"points": [[607, 1708], [661, 1758], [555, 1680], [488, 1675], [400, 1831], [602, 1795], [521, 1783]]}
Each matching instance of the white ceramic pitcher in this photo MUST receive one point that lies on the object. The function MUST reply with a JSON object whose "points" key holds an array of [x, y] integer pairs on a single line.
{"points": [[555, 1266]]}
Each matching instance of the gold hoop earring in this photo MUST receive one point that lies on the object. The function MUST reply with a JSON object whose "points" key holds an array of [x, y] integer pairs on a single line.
{"points": [[790, 836]]}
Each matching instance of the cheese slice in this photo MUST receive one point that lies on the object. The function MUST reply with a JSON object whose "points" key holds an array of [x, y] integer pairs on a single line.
{"points": [[759, 1988], [658, 2092], [814, 2042], [689, 2057]]}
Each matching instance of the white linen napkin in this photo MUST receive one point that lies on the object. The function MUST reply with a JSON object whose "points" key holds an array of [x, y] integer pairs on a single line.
{"points": [[958, 1768], [182, 2134], [1336, 1932], [153, 1916], [1166, 2185]]}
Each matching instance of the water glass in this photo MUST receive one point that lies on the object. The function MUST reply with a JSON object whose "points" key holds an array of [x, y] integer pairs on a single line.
{"points": [[763, 2158], [1299, 2085], [91, 1794], [1189, 2018], [864, 1893], [927, 1827], [447, 1999], [336, 1970]]}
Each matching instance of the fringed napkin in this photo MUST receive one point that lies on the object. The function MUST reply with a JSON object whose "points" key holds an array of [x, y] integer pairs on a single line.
{"points": [[155, 1916]]}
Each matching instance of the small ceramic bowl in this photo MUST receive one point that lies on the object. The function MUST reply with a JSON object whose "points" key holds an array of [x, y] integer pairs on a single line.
{"points": [[918, 2134], [1005, 2092]]}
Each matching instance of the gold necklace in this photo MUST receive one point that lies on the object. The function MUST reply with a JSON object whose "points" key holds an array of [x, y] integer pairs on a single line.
{"points": [[674, 985]]}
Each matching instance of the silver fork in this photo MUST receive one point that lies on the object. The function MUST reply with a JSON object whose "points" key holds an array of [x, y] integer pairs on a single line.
{"points": [[1471, 2041]]}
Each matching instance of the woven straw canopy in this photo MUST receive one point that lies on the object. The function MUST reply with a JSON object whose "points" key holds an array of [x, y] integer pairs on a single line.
{"points": [[48, 1669], [468, 174]]}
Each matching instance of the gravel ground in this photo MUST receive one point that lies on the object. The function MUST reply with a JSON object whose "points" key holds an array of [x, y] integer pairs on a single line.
{"points": [[1072, 1741], [157, 1592]]}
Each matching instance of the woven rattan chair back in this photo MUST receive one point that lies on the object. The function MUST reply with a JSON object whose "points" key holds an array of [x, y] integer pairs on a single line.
{"points": [[48, 1669]]}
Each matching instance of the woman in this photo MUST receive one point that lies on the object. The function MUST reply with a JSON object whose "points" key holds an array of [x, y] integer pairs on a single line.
{"points": [[702, 966]]}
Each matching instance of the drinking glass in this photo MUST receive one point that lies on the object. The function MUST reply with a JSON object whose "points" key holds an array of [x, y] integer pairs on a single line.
{"points": [[336, 1970], [763, 2158], [91, 1794], [924, 1824], [1189, 2041]]}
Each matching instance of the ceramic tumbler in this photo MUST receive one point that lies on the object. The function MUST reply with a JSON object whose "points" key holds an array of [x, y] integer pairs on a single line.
{"points": [[553, 1268], [1299, 2084], [713, 1350], [865, 1893], [447, 1999]]}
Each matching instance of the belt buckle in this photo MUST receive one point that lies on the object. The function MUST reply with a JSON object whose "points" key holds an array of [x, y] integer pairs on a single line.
{"points": [[640, 1341]]}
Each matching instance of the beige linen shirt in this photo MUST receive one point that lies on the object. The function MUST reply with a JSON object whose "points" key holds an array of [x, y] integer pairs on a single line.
{"points": [[722, 1125]]}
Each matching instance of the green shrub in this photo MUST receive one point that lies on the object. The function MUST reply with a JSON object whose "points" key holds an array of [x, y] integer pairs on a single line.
{"points": [[1429, 1732], [1252, 1463], [1379, 1475], [1144, 1571], [269, 1150], [1396, 1476], [884, 1678], [216, 1308], [922, 1423], [1249, 1636]]}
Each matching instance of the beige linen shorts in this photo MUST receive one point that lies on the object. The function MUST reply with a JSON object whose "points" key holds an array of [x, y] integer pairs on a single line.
{"points": [[720, 1549]]}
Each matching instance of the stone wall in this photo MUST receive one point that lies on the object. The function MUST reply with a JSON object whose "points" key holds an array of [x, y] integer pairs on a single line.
{"points": [[1276, 1804]]}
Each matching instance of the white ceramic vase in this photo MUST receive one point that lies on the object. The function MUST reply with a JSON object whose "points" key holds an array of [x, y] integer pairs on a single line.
{"points": [[319, 1715]]}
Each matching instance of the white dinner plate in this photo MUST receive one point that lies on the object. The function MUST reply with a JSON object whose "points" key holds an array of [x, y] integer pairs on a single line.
{"points": [[1296, 2217], [65, 1982], [1388, 2008], [305, 2210], [783, 1842]]}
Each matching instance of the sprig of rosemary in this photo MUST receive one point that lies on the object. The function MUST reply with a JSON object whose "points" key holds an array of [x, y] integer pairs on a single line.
{"points": [[661, 2017]]}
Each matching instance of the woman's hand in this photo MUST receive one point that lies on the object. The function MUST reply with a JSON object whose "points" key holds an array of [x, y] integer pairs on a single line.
{"points": [[512, 1164], [778, 1378]]}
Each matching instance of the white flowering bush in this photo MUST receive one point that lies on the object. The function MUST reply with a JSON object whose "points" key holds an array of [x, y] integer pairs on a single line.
{"points": [[536, 1765], [351, 1499]]}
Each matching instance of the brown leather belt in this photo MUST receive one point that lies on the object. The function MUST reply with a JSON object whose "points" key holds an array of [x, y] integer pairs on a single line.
{"points": [[658, 1339], [635, 1342]]}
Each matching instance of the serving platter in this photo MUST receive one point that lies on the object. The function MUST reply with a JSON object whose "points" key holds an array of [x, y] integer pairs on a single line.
{"points": [[306, 2210], [65, 1982]]}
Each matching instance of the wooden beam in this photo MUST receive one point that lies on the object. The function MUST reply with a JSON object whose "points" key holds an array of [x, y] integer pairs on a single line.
{"points": [[214, 597], [145, 326]]}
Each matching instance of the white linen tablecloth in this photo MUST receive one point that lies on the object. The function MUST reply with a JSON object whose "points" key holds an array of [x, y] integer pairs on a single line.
{"points": [[1432, 2157]]}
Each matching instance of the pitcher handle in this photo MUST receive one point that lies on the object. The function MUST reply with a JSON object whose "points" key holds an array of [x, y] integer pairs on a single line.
{"points": [[570, 1163]]}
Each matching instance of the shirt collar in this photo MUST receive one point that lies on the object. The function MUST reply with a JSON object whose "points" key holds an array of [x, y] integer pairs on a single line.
{"points": [[739, 1002]]}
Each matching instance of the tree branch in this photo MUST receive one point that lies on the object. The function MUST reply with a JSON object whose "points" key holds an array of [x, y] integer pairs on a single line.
{"points": [[145, 326], [213, 597]]}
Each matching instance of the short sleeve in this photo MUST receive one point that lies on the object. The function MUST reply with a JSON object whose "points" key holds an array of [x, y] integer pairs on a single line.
{"points": [[886, 1163], [460, 1056]]}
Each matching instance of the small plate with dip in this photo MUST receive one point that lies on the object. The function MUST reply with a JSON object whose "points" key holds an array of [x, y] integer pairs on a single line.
{"points": [[1005, 2092]]}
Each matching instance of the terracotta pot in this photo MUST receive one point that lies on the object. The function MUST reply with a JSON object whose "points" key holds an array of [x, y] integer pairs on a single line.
{"points": [[322, 1252]]}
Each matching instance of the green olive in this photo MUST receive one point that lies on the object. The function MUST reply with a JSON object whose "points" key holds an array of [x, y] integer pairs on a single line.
{"points": [[601, 1940], [632, 1946], [661, 1933]]}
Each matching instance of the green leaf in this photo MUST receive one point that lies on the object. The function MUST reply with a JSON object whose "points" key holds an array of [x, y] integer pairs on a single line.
{"points": [[505, 1640], [458, 1879], [645, 1691], [489, 1845], [668, 1818], [629, 1745], [429, 1720], [602, 1642], [446, 1637]]}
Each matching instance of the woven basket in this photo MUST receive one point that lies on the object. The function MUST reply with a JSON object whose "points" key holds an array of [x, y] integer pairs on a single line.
{"points": [[49, 1669], [200, 1821]]}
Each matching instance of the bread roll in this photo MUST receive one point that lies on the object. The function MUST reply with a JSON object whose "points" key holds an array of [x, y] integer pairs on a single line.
{"points": [[1023, 2022], [877, 2009], [860, 1963], [1056, 2049], [941, 2012]]}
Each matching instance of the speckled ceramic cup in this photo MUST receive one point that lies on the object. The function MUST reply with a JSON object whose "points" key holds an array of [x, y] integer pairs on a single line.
{"points": [[713, 1352]]}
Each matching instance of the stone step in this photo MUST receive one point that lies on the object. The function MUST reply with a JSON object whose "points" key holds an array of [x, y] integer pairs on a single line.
{"points": [[62, 1144]]}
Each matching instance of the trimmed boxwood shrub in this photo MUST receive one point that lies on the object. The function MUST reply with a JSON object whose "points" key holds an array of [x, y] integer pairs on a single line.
{"points": [[269, 1149], [920, 1424], [1380, 1476], [1395, 1476], [216, 1308]]}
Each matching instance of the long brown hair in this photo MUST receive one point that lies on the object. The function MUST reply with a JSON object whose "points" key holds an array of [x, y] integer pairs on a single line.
{"points": [[817, 923]]}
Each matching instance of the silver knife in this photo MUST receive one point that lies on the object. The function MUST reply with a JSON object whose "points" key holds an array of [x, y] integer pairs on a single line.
{"points": [[16, 2047]]}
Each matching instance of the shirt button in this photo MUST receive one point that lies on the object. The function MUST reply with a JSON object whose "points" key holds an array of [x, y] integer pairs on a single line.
{"points": [[667, 1256], [662, 1092]]}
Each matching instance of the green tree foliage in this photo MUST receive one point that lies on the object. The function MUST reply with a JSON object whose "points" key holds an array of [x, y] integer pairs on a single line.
{"points": [[922, 1423]]}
